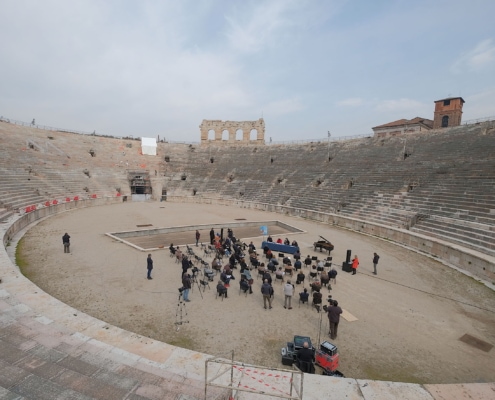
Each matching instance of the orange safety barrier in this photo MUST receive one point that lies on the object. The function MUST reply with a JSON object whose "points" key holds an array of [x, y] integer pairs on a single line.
{"points": [[54, 202], [76, 198], [118, 195], [47, 204], [93, 196], [28, 209], [67, 199]]}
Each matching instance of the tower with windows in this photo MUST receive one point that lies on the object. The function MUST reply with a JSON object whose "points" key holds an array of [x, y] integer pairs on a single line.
{"points": [[448, 112]]}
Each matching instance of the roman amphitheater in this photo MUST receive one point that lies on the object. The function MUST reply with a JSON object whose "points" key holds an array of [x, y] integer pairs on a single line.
{"points": [[90, 325]]}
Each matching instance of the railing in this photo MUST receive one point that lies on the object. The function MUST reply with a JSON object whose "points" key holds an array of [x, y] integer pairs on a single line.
{"points": [[323, 140], [477, 121]]}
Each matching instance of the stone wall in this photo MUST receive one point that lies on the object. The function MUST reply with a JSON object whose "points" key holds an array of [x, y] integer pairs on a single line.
{"points": [[232, 127], [474, 263]]}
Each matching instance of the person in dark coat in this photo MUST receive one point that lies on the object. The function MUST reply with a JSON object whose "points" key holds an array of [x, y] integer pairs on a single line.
{"points": [[334, 312], [149, 262], [212, 236], [376, 257], [66, 242], [185, 265], [305, 358]]}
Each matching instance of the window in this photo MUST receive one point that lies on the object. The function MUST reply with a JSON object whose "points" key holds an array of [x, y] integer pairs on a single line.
{"points": [[446, 102], [445, 121]]}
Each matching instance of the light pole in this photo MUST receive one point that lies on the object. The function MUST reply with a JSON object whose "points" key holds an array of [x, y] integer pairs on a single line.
{"points": [[329, 145], [404, 151]]}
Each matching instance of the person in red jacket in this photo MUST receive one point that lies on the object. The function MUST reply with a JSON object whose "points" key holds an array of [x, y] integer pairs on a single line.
{"points": [[355, 265]]}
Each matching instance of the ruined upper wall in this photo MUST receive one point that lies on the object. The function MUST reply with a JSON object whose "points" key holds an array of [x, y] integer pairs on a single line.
{"points": [[232, 127]]}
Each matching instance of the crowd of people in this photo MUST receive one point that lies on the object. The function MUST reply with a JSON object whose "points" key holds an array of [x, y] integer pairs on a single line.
{"points": [[232, 257]]}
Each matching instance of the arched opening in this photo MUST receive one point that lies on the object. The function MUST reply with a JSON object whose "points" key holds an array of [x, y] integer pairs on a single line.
{"points": [[253, 135], [239, 134], [225, 135], [445, 121], [211, 134]]}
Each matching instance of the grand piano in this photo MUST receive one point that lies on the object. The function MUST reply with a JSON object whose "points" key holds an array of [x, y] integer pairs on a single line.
{"points": [[323, 245]]}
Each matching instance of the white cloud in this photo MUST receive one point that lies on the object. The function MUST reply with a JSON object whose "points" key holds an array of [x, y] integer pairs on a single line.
{"points": [[351, 102], [480, 58], [252, 29], [284, 106], [479, 105], [403, 104]]}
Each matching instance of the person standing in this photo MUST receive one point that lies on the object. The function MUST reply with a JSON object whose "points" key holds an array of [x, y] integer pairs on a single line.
{"points": [[266, 290], [288, 292], [376, 257], [149, 262], [334, 312], [66, 242], [186, 284], [355, 265], [198, 235], [212, 236], [185, 265]]}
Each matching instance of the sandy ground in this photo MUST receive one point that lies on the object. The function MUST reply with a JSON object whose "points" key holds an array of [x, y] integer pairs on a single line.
{"points": [[409, 318]]}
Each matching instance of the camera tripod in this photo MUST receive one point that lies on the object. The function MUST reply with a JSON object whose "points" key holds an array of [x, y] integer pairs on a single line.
{"points": [[194, 279], [180, 313]]}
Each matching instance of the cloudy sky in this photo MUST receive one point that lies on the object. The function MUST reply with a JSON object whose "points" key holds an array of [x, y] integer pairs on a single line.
{"points": [[148, 68]]}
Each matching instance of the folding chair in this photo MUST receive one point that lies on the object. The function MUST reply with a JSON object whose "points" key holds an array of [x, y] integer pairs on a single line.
{"points": [[243, 290], [280, 278], [204, 284], [222, 295], [303, 302]]}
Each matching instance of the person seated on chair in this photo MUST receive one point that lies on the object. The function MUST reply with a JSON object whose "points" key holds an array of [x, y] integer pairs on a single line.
{"points": [[287, 242], [252, 247], [304, 296], [317, 299], [286, 260], [269, 239], [316, 285], [271, 266], [333, 273], [249, 279], [216, 264], [279, 241], [300, 277], [253, 259], [294, 243], [269, 254], [304, 359], [243, 265], [232, 260], [221, 289], [267, 276], [225, 278], [279, 274], [307, 261], [324, 278], [243, 284], [288, 269]]}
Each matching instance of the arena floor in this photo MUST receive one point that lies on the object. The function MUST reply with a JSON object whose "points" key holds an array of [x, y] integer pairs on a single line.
{"points": [[410, 318]]}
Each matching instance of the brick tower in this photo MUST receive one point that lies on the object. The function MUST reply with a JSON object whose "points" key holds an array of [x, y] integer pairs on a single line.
{"points": [[448, 112]]}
